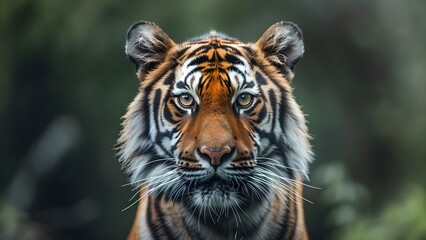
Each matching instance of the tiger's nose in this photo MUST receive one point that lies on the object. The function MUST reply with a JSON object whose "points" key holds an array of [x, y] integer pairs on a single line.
{"points": [[215, 154]]}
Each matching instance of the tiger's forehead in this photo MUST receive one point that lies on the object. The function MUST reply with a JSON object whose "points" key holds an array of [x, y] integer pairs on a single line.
{"points": [[213, 66], [212, 48]]}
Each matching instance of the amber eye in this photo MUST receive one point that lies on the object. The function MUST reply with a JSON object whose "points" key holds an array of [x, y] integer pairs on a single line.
{"points": [[244, 100], [186, 100]]}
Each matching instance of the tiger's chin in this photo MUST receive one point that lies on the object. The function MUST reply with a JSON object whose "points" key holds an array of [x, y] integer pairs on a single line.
{"points": [[216, 199], [219, 198], [218, 195]]}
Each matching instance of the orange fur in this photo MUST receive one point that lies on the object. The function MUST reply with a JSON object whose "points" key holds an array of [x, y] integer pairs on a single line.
{"points": [[243, 164]]}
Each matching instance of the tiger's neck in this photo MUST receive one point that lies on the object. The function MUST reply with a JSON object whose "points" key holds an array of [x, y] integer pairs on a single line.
{"points": [[280, 217]]}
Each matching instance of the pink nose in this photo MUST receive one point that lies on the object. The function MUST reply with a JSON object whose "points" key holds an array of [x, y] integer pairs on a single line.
{"points": [[215, 154]]}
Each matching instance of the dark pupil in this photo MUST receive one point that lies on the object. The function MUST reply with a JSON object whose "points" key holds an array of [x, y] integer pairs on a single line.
{"points": [[244, 99], [186, 99]]}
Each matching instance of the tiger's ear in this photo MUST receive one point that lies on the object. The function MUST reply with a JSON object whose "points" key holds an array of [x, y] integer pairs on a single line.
{"points": [[282, 44], [147, 45]]}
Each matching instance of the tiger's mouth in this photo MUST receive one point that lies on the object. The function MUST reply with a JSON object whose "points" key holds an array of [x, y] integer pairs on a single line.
{"points": [[216, 181], [225, 186]]}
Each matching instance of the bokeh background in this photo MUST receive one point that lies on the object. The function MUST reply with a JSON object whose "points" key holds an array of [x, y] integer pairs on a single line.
{"points": [[65, 82]]}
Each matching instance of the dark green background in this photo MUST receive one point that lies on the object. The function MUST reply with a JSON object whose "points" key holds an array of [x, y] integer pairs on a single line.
{"points": [[65, 82]]}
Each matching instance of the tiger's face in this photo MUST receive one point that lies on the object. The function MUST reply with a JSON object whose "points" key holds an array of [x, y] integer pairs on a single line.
{"points": [[215, 125], [219, 101]]}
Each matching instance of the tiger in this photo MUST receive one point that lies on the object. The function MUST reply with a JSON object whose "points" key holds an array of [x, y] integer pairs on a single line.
{"points": [[214, 143]]}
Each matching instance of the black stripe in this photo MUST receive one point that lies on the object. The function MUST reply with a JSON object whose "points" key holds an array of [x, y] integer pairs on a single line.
{"points": [[235, 69], [198, 60], [180, 52], [265, 134], [260, 114], [233, 50], [167, 114], [156, 109], [260, 79], [189, 159], [292, 229], [155, 230], [169, 234], [284, 223], [283, 110], [274, 104], [196, 69], [263, 113], [251, 56], [157, 102], [145, 110], [227, 82], [170, 79], [234, 60], [159, 142], [181, 85], [248, 84]]}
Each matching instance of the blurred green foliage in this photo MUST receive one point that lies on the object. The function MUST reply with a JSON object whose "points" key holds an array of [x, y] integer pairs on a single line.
{"points": [[65, 82], [400, 219]]}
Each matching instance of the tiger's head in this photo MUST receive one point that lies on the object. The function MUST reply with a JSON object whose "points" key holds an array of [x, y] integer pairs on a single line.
{"points": [[215, 124]]}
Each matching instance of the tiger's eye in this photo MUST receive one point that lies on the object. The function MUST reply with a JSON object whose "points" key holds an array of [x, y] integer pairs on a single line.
{"points": [[186, 100], [244, 100]]}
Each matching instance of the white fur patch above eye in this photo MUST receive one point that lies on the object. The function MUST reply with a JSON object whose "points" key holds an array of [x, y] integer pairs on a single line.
{"points": [[189, 79]]}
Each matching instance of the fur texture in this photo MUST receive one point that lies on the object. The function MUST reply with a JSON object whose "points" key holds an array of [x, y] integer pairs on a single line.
{"points": [[214, 141]]}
